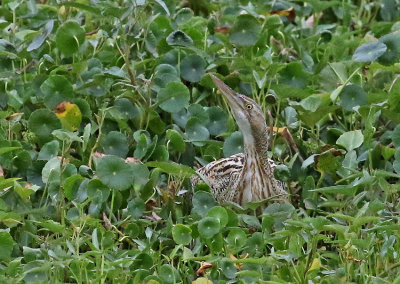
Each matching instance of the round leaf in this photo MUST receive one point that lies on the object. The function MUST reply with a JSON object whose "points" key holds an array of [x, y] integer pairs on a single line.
{"points": [[56, 89], [136, 208], [202, 202], [392, 53], [182, 234], [245, 31], [218, 120], [192, 68], [114, 172], [196, 131], [233, 144], [179, 38], [352, 96], [351, 140], [174, 97], [125, 109], [69, 37], [164, 74], [369, 51], [6, 246], [43, 122], [115, 143], [208, 227], [236, 237], [175, 140], [219, 213]]}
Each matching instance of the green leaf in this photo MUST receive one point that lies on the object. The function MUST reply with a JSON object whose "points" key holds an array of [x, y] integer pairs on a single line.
{"points": [[219, 213], [233, 144], [202, 202], [192, 68], [42, 122], [56, 89], [173, 168], [245, 31], [4, 150], [49, 150], [175, 140], [114, 172], [67, 136], [179, 38], [182, 234], [347, 189], [351, 140], [208, 227], [396, 139], [352, 96], [115, 143], [69, 37], [369, 51], [236, 238], [124, 109], [136, 208], [392, 53], [174, 97], [6, 246], [165, 73], [196, 131], [217, 120], [183, 15]]}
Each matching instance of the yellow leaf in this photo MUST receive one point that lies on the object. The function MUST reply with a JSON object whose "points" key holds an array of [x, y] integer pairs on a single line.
{"points": [[202, 280], [316, 264], [69, 114]]}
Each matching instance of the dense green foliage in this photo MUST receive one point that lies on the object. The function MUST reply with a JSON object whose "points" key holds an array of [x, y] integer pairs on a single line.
{"points": [[106, 106]]}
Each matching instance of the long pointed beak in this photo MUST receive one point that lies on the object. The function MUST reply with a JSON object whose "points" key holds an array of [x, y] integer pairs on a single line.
{"points": [[233, 98]]}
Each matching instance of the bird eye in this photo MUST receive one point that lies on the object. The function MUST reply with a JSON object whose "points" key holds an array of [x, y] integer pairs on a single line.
{"points": [[249, 106]]}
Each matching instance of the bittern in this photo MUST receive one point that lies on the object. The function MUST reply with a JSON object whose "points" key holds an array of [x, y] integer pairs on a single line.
{"points": [[249, 176]]}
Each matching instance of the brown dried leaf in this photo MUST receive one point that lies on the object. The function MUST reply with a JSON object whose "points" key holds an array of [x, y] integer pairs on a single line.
{"points": [[203, 267]]}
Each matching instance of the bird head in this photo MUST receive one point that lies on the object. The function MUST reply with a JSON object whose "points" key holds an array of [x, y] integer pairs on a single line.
{"points": [[247, 113]]}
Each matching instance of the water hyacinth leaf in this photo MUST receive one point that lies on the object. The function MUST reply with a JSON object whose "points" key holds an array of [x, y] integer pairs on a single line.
{"points": [[140, 173], [115, 143], [202, 202], [196, 131], [351, 140], [369, 51], [49, 150], [179, 38], [174, 97], [192, 68], [182, 234], [282, 173], [217, 120], [233, 144], [56, 89], [69, 37], [392, 53], [245, 31], [208, 227], [70, 115], [352, 96], [98, 190], [43, 122], [219, 213], [175, 140], [114, 172]]}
